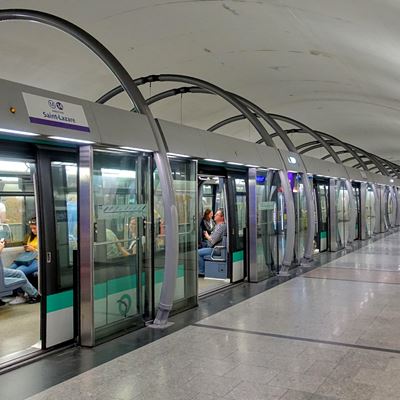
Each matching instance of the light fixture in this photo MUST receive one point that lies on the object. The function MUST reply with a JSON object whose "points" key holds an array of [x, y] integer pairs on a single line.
{"points": [[292, 160], [66, 139], [391, 180], [136, 149], [178, 155], [252, 166], [117, 150], [234, 163], [24, 133], [212, 160]]}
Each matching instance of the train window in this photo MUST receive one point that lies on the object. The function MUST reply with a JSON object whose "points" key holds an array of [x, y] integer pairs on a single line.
{"points": [[64, 177], [240, 188], [17, 201]]}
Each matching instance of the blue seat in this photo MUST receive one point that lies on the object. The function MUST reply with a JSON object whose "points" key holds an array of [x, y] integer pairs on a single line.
{"points": [[8, 285], [216, 265]]}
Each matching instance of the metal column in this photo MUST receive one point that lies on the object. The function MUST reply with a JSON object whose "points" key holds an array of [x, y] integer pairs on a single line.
{"points": [[252, 227], [86, 246]]}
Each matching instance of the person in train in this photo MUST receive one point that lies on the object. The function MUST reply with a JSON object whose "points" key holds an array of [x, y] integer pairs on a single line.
{"points": [[32, 295], [133, 233], [27, 261], [207, 225], [212, 240]]}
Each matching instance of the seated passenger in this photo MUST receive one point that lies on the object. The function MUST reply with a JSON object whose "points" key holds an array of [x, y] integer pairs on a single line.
{"points": [[212, 240], [27, 262], [26, 286], [133, 232], [207, 225]]}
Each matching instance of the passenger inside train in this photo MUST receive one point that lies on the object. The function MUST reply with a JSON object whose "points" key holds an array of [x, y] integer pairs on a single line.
{"points": [[207, 225], [214, 241], [20, 306]]}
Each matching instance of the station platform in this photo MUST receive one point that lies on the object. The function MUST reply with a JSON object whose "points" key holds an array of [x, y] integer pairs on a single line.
{"points": [[330, 333]]}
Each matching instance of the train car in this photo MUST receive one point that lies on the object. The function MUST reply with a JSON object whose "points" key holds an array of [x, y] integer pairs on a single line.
{"points": [[86, 173]]}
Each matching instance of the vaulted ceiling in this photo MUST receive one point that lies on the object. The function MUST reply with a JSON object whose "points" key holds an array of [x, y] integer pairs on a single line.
{"points": [[334, 65]]}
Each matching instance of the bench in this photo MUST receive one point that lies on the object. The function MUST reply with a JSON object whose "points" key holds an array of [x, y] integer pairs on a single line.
{"points": [[216, 265]]}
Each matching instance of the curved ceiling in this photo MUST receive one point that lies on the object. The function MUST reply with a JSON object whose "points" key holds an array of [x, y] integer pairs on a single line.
{"points": [[333, 65]]}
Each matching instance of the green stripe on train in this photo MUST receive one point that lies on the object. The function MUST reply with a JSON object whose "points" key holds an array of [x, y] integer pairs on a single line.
{"points": [[323, 235], [116, 285], [238, 256], [59, 301]]}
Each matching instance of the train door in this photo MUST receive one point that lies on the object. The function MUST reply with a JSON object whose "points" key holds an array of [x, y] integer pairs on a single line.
{"points": [[224, 192], [321, 200], [357, 196], [57, 175], [370, 211], [296, 182], [237, 225], [39, 186], [262, 229]]}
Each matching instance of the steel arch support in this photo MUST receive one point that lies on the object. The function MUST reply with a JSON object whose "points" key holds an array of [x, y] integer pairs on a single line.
{"points": [[290, 224], [161, 159]]}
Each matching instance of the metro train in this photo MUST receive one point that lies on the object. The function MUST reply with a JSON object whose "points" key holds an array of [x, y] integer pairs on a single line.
{"points": [[93, 185]]}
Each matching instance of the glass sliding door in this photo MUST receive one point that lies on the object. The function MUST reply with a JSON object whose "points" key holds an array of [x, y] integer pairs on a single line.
{"points": [[321, 196], [58, 212], [342, 213], [370, 211], [122, 253], [266, 233], [238, 227], [300, 205], [184, 174]]}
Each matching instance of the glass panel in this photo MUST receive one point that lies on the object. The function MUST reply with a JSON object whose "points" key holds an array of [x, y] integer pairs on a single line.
{"points": [[301, 214], [240, 206], [185, 183], [370, 211], [64, 178], [267, 250], [120, 192], [17, 201], [343, 213]]}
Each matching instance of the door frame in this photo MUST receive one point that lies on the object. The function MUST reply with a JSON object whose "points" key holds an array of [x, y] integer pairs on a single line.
{"points": [[47, 239]]}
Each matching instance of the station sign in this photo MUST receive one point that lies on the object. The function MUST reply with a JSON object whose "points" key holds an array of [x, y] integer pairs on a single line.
{"points": [[56, 113]]}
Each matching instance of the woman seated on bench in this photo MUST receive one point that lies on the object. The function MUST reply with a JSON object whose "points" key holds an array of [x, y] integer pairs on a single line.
{"points": [[26, 286], [212, 240], [27, 261]]}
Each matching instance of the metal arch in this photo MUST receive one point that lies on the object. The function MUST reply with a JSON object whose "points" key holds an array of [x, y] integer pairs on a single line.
{"points": [[205, 87], [195, 89], [345, 145], [168, 193], [309, 131], [338, 152], [330, 142], [259, 113], [238, 104]]}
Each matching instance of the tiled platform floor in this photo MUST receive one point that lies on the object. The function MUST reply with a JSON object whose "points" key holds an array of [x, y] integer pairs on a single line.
{"points": [[324, 335]]}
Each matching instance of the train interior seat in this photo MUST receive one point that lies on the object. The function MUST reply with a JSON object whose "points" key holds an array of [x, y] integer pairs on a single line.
{"points": [[216, 263]]}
